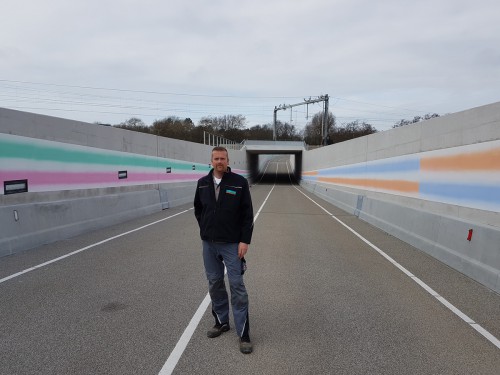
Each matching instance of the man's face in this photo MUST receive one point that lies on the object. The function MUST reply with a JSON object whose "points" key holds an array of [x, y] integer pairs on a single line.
{"points": [[220, 161]]}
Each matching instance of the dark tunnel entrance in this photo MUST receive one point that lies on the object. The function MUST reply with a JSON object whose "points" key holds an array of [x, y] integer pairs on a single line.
{"points": [[257, 162]]}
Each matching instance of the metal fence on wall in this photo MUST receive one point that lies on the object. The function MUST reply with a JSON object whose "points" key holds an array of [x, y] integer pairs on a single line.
{"points": [[216, 140]]}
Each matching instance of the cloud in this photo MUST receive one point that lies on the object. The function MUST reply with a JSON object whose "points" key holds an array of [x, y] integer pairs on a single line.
{"points": [[399, 54]]}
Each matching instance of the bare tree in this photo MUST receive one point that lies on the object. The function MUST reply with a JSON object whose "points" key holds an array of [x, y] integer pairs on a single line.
{"points": [[415, 120], [223, 123], [286, 132], [351, 130], [260, 132], [135, 124], [314, 130], [174, 127]]}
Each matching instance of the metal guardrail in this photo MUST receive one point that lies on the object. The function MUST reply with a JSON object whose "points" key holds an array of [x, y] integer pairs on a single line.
{"points": [[216, 140], [274, 143]]}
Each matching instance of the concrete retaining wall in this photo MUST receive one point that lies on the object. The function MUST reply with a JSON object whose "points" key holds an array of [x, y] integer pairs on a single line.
{"points": [[428, 184], [73, 171]]}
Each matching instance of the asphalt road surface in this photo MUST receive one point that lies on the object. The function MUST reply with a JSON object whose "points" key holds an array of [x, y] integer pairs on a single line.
{"points": [[132, 299]]}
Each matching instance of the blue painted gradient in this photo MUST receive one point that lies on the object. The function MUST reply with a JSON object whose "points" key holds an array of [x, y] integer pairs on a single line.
{"points": [[310, 178], [392, 167], [480, 193]]}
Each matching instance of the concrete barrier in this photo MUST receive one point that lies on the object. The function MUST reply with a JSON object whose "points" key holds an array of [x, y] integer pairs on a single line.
{"points": [[429, 183], [25, 226], [435, 185], [80, 177]]}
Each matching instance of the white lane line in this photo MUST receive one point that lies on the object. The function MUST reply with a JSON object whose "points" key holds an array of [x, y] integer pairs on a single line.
{"points": [[176, 354], [263, 173], [426, 287], [87, 247], [262, 206], [181, 345]]}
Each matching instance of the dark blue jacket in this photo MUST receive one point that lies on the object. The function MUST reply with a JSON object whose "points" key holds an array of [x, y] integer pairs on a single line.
{"points": [[230, 218]]}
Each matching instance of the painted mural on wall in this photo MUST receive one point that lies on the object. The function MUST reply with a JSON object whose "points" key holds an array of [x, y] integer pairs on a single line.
{"points": [[466, 176], [54, 166]]}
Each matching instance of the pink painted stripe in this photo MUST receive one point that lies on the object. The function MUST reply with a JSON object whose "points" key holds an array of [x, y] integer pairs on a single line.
{"points": [[85, 178]]}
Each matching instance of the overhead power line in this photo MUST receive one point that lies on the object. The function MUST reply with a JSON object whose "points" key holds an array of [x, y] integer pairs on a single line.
{"points": [[149, 92], [117, 102]]}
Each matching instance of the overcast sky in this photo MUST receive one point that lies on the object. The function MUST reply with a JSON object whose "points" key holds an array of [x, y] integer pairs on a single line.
{"points": [[379, 61]]}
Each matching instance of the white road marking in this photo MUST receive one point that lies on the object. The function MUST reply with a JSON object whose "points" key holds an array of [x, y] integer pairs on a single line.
{"points": [[87, 247], [181, 345], [426, 287], [176, 354]]}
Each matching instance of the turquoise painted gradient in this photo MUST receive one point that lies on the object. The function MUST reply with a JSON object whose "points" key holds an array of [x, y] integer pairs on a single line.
{"points": [[26, 150]]}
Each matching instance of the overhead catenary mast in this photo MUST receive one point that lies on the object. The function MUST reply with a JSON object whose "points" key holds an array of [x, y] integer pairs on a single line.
{"points": [[322, 98]]}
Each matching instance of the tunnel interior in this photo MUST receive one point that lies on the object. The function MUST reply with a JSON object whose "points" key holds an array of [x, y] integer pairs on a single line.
{"points": [[257, 162]]}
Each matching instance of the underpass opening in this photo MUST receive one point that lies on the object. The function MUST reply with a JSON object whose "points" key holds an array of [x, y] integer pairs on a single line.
{"points": [[263, 167]]}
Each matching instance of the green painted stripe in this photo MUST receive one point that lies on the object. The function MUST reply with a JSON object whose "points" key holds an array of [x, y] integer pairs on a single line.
{"points": [[24, 150]]}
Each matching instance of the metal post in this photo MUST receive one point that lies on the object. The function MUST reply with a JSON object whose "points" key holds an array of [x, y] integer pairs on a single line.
{"points": [[324, 125], [274, 123], [325, 120]]}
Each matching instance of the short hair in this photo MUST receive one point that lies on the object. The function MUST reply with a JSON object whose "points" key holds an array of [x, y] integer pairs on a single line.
{"points": [[220, 148]]}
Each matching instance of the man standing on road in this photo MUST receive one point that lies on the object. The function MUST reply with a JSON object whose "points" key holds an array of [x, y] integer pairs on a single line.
{"points": [[223, 208]]}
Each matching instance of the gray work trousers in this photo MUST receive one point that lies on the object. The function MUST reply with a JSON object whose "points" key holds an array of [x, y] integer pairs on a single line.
{"points": [[215, 256]]}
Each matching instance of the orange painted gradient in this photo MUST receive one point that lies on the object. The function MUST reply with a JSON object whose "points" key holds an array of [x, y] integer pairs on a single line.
{"points": [[313, 173], [395, 185], [475, 161]]}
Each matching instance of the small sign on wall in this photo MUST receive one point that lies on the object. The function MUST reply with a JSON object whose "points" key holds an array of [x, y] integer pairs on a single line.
{"points": [[15, 186]]}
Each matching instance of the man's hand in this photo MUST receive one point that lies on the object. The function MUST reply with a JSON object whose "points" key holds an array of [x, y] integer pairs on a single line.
{"points": [[242, 249]]}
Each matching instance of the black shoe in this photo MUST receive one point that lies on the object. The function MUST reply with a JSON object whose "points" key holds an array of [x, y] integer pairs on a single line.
{"points": [[217, 330], [246, 346]]}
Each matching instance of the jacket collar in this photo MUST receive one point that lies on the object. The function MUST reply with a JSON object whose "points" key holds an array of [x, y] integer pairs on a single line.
{"points": [[211, 173]]}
